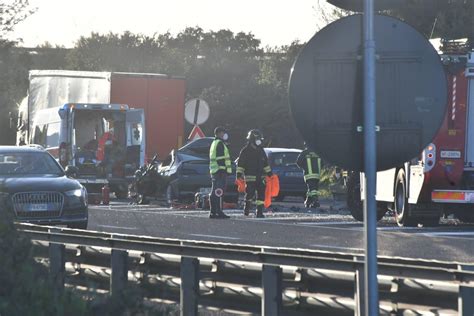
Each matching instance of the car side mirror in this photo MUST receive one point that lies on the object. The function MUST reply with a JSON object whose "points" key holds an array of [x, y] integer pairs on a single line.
{"points": [[71, 171]]}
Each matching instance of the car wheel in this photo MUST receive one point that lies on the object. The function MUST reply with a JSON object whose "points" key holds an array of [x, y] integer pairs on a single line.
{"points": [[402, 207], [79, 225]]}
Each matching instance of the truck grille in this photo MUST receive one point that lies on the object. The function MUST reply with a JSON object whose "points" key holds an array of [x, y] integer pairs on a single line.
{"points": [[38, 204]]}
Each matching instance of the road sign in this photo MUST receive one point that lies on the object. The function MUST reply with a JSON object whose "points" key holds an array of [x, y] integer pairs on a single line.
{"points": [[326, 92], [196, 111], [196, 133]]}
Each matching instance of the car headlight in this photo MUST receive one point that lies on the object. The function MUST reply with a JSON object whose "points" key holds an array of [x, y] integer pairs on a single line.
{"points": [[75, 193], [78, 196]]}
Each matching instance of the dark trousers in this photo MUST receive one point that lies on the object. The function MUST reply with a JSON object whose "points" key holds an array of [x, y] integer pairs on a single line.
{"points": [[255, 190], [217, 191], [312, 193]]}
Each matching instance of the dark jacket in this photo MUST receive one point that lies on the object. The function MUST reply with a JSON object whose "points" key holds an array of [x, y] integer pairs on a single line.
{"points": [[253, 163], [310, 162]]}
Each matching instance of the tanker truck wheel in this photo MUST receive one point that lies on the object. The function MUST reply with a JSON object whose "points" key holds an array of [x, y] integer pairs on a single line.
{"points": [[401, 206], [354, 202]]}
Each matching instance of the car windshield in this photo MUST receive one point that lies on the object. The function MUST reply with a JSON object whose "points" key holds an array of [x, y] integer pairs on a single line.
{"points": [[28, 163], [283, 159]]}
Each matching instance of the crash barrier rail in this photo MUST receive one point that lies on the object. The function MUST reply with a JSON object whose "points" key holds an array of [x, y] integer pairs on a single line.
{"points": [[246, 278]]}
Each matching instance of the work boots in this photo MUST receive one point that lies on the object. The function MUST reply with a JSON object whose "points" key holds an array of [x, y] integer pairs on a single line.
{"points": [[248, 205], [311, 202], [315, 203], [260, 211], [219, 215], [308, 202]]}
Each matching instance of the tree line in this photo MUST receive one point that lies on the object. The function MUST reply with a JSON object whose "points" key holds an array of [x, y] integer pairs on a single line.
{"points": [[244, 83]]}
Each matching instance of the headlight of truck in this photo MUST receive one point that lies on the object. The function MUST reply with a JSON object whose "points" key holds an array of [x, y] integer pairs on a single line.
{"points": [[76, 197]]}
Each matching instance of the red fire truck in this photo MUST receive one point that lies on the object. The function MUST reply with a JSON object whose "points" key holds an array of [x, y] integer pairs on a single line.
{"points": [[440, 181]]}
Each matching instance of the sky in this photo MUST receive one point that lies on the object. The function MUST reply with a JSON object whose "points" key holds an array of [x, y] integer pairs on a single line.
{"points": [[275, 23]]}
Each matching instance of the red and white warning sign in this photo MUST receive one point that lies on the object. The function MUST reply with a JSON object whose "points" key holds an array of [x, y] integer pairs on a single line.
{"points": [[196, 133]]}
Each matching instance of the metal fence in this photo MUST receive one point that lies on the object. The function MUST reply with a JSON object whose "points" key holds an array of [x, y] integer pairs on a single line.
{"points": [[247, 278]]}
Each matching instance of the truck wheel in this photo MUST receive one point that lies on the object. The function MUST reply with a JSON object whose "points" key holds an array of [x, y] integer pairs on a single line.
{"points": [[401, 206], [355, 204]]}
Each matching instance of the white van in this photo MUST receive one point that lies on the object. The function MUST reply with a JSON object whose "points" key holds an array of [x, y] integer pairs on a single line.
{"points": [[74, 134]]}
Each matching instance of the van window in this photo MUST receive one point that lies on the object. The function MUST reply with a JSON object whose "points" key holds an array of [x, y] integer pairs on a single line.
{"points": [[52, 135], [136, 132], [39, 135]]}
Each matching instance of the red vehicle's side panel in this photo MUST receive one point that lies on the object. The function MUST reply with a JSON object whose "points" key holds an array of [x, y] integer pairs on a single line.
{"points": [[163, 101], [448, 171], [166, 111]]}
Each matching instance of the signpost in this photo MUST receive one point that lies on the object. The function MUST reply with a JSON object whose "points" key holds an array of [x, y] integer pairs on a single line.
{"points": [[370, 164], [196, 112]]}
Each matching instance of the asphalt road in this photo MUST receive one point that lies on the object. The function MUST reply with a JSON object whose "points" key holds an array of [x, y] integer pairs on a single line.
{"points": [[289, 225]]}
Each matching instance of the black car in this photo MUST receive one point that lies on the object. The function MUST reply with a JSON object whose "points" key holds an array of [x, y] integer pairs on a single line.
{"points": [[187, 172], [36, 189], [283, 163]]}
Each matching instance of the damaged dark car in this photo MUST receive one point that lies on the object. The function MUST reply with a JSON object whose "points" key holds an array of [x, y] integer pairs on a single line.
{"points": [[186, 171]]}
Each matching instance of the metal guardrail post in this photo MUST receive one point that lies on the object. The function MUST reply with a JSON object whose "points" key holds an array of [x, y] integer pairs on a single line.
{"points": [[359, 289], [272, 290], [119, 277], [465, 296], [57, 265], [189, 292]]}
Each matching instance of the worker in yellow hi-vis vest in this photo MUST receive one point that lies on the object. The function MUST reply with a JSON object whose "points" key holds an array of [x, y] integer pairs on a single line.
{"points": [[220, 166], [310, 162]]}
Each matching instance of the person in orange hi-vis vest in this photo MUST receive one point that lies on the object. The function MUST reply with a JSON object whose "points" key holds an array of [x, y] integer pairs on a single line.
{"points": [[105, 140]]}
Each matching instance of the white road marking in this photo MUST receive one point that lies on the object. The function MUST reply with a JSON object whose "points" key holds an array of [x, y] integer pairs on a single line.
{"points": [[397, 228], [336, 247], [449, 234], [119, 227], [215, 236], [329, 223]]}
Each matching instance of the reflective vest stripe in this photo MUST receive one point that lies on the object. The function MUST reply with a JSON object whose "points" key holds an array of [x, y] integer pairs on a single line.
{"points": [[250, 178], [310, 165], [311, 176], [213, 165]]}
